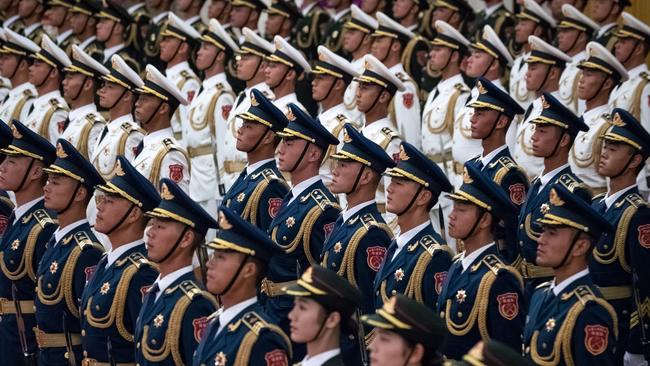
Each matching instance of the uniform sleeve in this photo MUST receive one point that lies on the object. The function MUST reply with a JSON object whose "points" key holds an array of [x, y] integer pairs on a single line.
{"points": [[583, 193], [320, 232], [86, 265], [515, 184], [176, 167], [41, 241], [638, 242], [195, 321], [270, 349], [270, 203], [506, 314], [593, 340], [56, 124], [408, 114], [434, 277], [222, 109], [368, 258]]}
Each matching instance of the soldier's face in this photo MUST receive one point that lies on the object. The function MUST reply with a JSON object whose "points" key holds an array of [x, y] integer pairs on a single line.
{"points": [[181, 5], [109, 93], [366, 96], [344, 175], [544, 139], [27, 7], [523, 29], [239, 16], [78, 22], [478, 63], [439, 57], [441, 13], [590, 81], [566, 39], [273, 24], [401, 8], [8, 64], [110, 210], [381, 46], [12, 171], [462, 218], [536, 75], [146, 106], [205, 55], [58, 191], [624, 47], [55, 16], [613, 157], [274, 73], [306, 317], [553, 244], [248, 65], [161, 237], [482, 122], [289, 152], [388, 348], [600, 9], [351, 39], [218, 9], [370, 6], [321, 86], [38, 72], [104, 29], [222, 266], [249, 134], [169, 48], [399, 194], [72, 84]]}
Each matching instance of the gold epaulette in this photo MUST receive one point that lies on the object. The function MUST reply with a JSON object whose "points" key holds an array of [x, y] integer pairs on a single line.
{"points": [[636, 200], [83, 240], [462, 88], [369, 221], [219, 86], [254, 322], [598, 196], [507, 164], [137, 259], [269, 175], [170, 145], [645, 74], [190, 289], [57, 105], [389, 133], [129, 128], [544, 284], [583, 293], [321, 199], [570, 182], [43, 218], [493, 263], [94, 118], [428, 242]]}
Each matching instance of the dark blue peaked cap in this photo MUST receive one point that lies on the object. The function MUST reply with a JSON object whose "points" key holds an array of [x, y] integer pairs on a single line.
{"points": [[492, 97], [129, 184], [303, 126], [359, 148], [263, 111], [557, 114], [238, 235], [6, 135], [28, 143], [71, 163], [627, 129], [415, 166], [178, 206]]}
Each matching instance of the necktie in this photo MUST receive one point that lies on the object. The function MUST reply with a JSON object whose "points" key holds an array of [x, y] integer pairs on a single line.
{"points": [[104, 132], [151, 295], [287, 199], [215, 325], [435, 93], [528, 110], [240, 98], [479, 164], [139, 149], [66, 123], [392, 248]]}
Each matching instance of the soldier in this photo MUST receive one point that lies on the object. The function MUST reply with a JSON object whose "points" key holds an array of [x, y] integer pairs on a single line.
{"points": [[389, 44], [494, 110], [10, 18], [159, 13], [189, 11], [481, 297], [569, 322], [284, 68], [30, 13], [533, 20], [324, 305], [600, 74], [492, 353], [305, 219], [30, 227], [359, 240], [489, 59], [240, 333], [112, 30], [175, 310], [141, 17], [606, 14], [406, 332], [245, 13], [176, 45], [573, 33], [15, 58], [418, 258], [159, 155], [281, 16], [115, 291], [84, 26], [49, 112], [377, 86], [545, 66], [497, 16], [69, 259], [357, 41], [251, 63], [58, 15], [340, 15], [619, 256], [220, 10], [555, 132], [310, 28], [258, 192], [5, 83], [6, 203], [407, 13], [82, 81]]}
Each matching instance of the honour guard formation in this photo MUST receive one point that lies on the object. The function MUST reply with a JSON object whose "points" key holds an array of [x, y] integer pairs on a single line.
{"points": [[324, 183]]}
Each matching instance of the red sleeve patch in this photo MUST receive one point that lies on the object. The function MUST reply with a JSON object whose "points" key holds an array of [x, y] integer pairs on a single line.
{"points": [[274, 206], [517, 193], [89, 272], [644, 235], [375, 257], [328, 228], [596, 338], [190, 95], [176, 172], [60, 126], [407, 100], [439, 277], [144, 290], [277, 357], [200, 324], [225, 110], [508, 305]]}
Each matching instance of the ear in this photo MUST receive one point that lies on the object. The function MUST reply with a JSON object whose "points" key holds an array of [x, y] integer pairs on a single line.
{"points": [[503, 121], [164, 109], [269, 137], [384, 96], [485, 220], [565, 139], [184, 48], [188, 239], [636, 161], [249, 270], [367, 176], [396, 47], [314, 153], [339, 84], [291, 75], [333, 320], [82, 193], [416, 355], [424, 198], [582, 246], [455, 18], [88, 84], [36, 172], [254, 16]]}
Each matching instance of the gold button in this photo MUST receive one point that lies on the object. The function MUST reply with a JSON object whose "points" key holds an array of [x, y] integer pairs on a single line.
{"points": [[83, 332], [521, 226], [137, 345], [544, 345], [394, 292], [85, 353], [153, 341], [96, 307], [442, 314], [284, 238], [460, 314], [333, 265], [528, 349]]}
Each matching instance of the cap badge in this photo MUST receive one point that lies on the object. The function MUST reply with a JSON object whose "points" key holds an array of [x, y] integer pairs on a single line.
{"points": [[224, 224], [466, 178], [118, 169], [481, 88], [165, 193], [389, 306], [617, 120], [403, 156], [114, 63], [346, 138], [15, 132], [554, 198], [307, 276], [60, 153], [290, 115], [545, 103], [254, 101]]}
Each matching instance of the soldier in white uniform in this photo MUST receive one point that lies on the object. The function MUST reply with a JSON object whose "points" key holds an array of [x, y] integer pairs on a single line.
{"points": [[489, 59], [285, 66], [601, 72], [377, 86], [533, 20], [332, 75], [545, 66], [573, 33], [49, 112], [208, 114], [5, 83], [176, 47], [357, 41], [82, 80], [15, 54], [159, 155], [390, 40]]}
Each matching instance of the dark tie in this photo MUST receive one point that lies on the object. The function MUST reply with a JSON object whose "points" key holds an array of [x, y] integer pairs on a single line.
{"points": [[435, 93], [104, 132], [151, 295], [51, 243], [528, 110], [535, 188], [392, 248], [240, 98], [479, 164], [285, 201], [66, 123], [139, 148], [339, 222]]}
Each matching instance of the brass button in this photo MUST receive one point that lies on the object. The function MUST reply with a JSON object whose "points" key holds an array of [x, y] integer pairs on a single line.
{"points": [[460, 314], [83, 332]]}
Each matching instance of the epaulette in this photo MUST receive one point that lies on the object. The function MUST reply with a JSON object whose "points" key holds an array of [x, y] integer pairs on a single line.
{"points": [[544, 284], [461, 87], [185, 74], [82, 239], [269, 175], [636, 200], [492, 262], [137, 259], [94, 118], [254, 322], [341, 118], [598, 196], [645, 74], [190, 289], [321, 199], [219, 86], [128, 128], [43, 218], [506, 162], [389, 133], [583, 293], [402, 77], [430, 244], [28, 93], [369, 221], [57, 104], [570, 182], [170, 145]]}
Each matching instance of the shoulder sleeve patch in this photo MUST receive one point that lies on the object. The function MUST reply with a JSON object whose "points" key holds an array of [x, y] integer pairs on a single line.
{"points": [[43, 218]]}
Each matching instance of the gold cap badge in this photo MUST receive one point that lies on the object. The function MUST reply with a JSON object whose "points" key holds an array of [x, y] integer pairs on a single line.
{"points": [[481, 88], [466, 178], [224, 224], [617, 120], [165, 193], [118, 169], [290, 115], [60, 153], [403, 156], [15, 132], [254, 101], [545, 103], [554, 198]]}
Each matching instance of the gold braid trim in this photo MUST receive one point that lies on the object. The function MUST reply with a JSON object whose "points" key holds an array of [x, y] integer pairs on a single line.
{"points": [[25, 266], [347, 264], [500, 174], [595, 149], [449, 115], [45, 123], [59, 293], [479, 308], [121, 147], [83, 139], [116, 313], [303, 233], [245, 349], [172, 335], [154, 175], [252, 205], [314, 29], [532, 235], [20, 105], [635, 108], [414, 286], [618, 248], [209, 115]]}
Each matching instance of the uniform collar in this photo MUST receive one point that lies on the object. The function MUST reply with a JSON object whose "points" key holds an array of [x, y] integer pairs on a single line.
{"points": [[579, 56], [332, 112], [166, 281], [595, 112], [22, 87], [349, 212], [134, 7], [157, 136], [115, 253], [253, 167], [467, 261], [54, 94], [449, 83], [605, 28], [403, 238], [85, 43], [192, 20], [558, 288], [11, 20], [320, 358], [302, 186], [489, 157], [286, 99], [377, 125], [108, 53], [82, 111], [61, 232], [121, 119], [227, 315], [398, 67], [544, 179], [307, 8], [636, 71], [610, 200], [338, 15], [492, 8], [176, 69], [22, 209], [214, 80], [63, 36]]}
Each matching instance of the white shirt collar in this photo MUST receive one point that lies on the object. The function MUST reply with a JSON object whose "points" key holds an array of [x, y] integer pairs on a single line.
{"points": [[349, 212], [403, 238], [253, 167], [300, 187], [635, 71], [54, 94], [111, 50], [155, 136], [320, 358], [609, 200], [558, 288], [63, 36], [307, 8], [11, 20], [22, 209], [605, 28], [449, 83], [166, 281], [160, 17], [22, 87], [214, 80], [227, 315], [466, 261], [82, 111], [176, 69], [492, 8], [579, 56], [338, 15], [121, 119], [544, 179], [115, 253], [332, 112], [61, 232], [488, 158], [134, 7]]}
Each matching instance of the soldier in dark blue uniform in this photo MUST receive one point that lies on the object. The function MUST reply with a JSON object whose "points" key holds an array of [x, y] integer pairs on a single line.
{"points": [[494, 110], [258, 192], [306, 217], [322, 314], [482, 296], [569, 323], [175, 310], [6, 204], [418, 258], [240, 333], [70, 257], [30, 226], [556, 129], [113, 296], [617, 256]]}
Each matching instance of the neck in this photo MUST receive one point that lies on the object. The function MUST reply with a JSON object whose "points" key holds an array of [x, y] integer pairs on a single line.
{"points": [[19, 78], [122, 236], [412, 218], [73, 214], [47, 87], [392, 60], [550, 86], [621, 182], [121, 109], [286, 87], [376, 113], [493, 142], [261, 153], [174, 263], [598, 100], [28, 194], [259, 78], [361, 52], [576, 49], [216, 69], [450, 71], [331, 101], [329, 340], [31, 20], [63, 28], [634, 62], [113, 41], [409, 20], [361, 195], [554, 162], [83, 100], [157, 124], [480, 239], [493, 75], [236, 295], [300, 175], [87, 33], [568, 270], [179, 58]]}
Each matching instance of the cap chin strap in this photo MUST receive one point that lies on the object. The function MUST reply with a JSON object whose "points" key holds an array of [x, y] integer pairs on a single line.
{"points": [[359, 44], [22, 182], [548, 72], [76, 189], [356, 181], [178, 48], [597, 92], [388, 51], [259, 141], [234, 277], [257, 69], [214, 59], [320, 327], [557, 144], [63, 21], [415, 196], [281, 79], [20, 59], [45, 78], [119, 99], [329, 91], [81, 87], [568, 251], [121, 221], [173, 249], [408, 357], [625, 166], [629, 55], [488, 66], [481, 212], [302, 155], [376, 100], [494, 126]]}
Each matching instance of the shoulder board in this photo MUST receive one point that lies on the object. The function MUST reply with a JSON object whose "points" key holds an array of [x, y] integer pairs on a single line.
{"points": [[507, 162], [430, 244], [402, 77], [369, 221], [94, 118], [128, 128], [170, 145], [43, 218], [583, 293], [493, 263], [187, 75], [462, 87], [636, 200], [269, 175], [321, 199], [83, 240], [645, 74], [389, 133], [28, 93], [190, 289], [57, 104], [598, 197], [341, 118], [254, 322], [570, 182], [219, 86], [544, 284], [137, 259]]}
